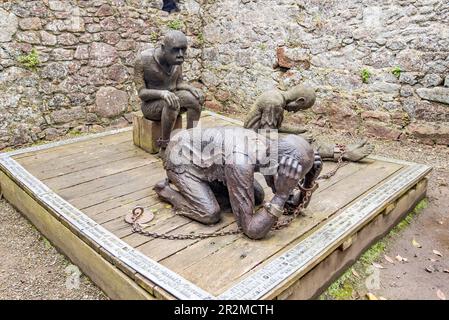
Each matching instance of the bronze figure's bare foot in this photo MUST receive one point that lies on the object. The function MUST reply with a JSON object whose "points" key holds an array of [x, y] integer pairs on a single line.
{"points": [[161, 189], [161, 154], [357, 151]]}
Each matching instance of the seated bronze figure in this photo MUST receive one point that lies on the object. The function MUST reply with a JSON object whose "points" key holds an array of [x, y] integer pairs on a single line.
{"points": [[159, 82]]}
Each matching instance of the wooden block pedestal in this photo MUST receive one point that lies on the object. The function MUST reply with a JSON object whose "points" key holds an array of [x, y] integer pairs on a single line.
{"points": [[146, 133]]}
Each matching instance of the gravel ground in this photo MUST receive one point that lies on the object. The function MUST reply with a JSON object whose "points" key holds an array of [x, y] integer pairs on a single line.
{"points": [[31, 268]]}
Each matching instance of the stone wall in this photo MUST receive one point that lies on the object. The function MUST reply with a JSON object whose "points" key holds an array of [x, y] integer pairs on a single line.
{"points": [[86, 51], [238, 48], [254, 45]]}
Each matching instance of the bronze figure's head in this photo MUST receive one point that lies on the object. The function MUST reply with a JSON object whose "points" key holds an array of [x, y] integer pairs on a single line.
{"points": [[299, 98], [174, 47]]}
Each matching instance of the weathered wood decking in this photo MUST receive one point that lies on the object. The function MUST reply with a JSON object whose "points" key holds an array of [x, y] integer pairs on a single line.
{"points": [[78, 192]]}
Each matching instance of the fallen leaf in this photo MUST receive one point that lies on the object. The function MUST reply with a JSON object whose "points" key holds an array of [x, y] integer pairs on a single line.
{"points": [[355, 273], [378, 265], [371, 296], [441, 295], [168, 206], [430, 269], [438, 253], [388, 259], [416, 243]]}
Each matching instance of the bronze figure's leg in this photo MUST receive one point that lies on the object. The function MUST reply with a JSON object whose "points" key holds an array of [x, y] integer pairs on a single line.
{"points": [[222, 194], [169, 116], [152, 110], [158, 110], [193, 199], [193, 106]]}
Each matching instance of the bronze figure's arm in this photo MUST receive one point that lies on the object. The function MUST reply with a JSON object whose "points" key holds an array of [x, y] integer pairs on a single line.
{"points": [[240, 181], [144, 93], [182, 85], [290, 129]]}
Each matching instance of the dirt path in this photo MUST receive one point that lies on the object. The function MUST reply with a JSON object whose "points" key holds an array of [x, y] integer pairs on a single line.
{"points": [[31, 268]]}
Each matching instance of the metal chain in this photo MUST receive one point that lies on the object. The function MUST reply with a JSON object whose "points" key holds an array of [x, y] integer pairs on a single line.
{"points": [[293, 214], [280, 224], [138, 228]]}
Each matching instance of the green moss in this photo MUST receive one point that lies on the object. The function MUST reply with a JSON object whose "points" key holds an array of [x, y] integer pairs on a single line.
{"points": [[409, 218], [46, 243], [263, 46], [75, 133], [154, 36], [175, 24], [200, 38], [30, 61], [365, 74], [373, 253], [342, 289], [396, 71]]}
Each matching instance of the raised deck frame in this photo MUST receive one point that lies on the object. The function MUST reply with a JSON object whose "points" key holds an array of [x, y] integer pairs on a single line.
{"points": [[76, 192]]}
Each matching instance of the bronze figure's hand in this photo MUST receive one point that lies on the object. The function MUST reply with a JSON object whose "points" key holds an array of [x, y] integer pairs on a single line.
{"points": [[317, 167], [287, 177], [197, 93], [171, 99]]}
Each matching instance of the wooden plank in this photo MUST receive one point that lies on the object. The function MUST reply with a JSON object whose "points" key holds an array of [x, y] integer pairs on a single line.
{"points": [[111, 280], [112, 204], [241, 256], [91, 143], [163, 223], [71, 179], [314, 282], [80, 161], [198, 251], [149, 132], [113, 186], [136, 129], [158, 249], [211, 122]]}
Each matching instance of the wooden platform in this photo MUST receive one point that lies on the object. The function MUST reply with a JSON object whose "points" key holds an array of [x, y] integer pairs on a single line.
{"points": [[77, 192]]}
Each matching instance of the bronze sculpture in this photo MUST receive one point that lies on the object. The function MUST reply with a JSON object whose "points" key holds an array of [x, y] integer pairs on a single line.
{"points": [[214, 167], [159, 82], [268, 113]]}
